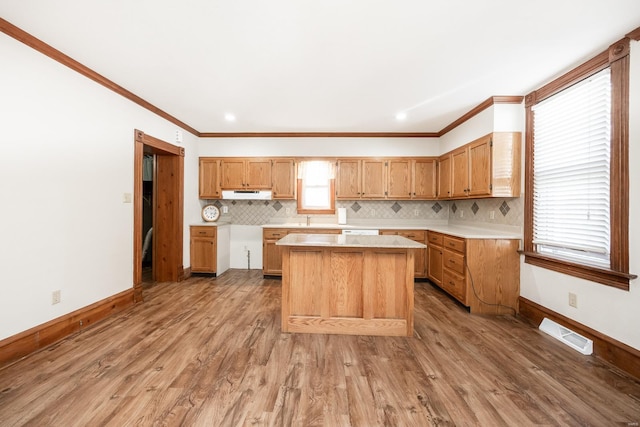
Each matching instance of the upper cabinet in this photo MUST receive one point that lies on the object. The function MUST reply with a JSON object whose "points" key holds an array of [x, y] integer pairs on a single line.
{"points": [[487, 167], [424, 179], [283, 174], [392, 178], [209, 178], [245, 174]]}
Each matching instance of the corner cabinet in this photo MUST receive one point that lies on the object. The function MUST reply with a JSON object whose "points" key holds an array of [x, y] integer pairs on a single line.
{"points": [[482, 274], [203, 249], [487, 167]]}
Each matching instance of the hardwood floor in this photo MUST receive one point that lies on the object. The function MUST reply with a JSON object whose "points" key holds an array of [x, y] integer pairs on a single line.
{"points": [[209, 352]]}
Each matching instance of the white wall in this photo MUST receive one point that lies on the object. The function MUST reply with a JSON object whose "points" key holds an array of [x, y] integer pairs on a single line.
{"points": [[610, 311], [327, 147], [67, 159]]}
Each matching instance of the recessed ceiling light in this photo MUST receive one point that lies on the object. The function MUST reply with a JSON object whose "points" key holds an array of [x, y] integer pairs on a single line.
{"points": [[401, 116], [230, 117]]}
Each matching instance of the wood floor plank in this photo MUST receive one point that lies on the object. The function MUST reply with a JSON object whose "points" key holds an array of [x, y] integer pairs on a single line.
{"points": [[209, 351]]}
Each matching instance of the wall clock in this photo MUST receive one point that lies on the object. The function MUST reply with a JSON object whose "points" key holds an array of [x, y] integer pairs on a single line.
{"points": [[210, 213]]}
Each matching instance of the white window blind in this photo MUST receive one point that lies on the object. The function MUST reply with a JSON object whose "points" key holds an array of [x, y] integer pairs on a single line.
{"points": [[571, 164], [316, 178]]}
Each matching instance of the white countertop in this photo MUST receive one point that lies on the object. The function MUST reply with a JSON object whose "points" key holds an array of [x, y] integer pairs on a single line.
{"points": [[454, 230], [350, 241], [210, 224]]}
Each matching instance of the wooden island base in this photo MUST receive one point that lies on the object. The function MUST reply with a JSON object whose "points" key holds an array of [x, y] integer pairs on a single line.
{"points": [[347, 290]]}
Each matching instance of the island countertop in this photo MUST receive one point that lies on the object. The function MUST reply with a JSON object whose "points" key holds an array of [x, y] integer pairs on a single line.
{"points": [[350, 241]]}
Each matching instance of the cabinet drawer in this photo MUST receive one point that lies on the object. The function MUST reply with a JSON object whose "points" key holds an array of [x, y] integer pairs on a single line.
{"points": [[274, 233], [203, 231], [435, 238], [453, 261], [455, 285], [416, 235], [454, 244]]}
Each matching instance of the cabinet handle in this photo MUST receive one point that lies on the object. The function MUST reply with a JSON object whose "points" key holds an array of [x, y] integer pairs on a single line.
{"points": [[452, 261]]}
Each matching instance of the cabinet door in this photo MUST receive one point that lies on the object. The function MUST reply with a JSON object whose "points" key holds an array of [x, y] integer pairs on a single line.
{"points": [[374, 178], [434, 267], [444, 177], [232, 174], [283, 172], [480, 167], [272, 258], [399, 180], [424, 179], [258, 174], [209, 178], [348, 179], [459, 173], [420, 262], [203, 255]]}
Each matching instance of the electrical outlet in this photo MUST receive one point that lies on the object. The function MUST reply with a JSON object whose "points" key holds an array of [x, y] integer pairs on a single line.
{"points": [[416, 212], [225, 209], [55, 297], [373, 212], [461, 213], [492, 215], [287, 211], [573, 300]]}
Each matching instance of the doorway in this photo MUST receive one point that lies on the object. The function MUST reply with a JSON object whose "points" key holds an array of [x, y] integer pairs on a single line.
{"points": [[166, 211]]}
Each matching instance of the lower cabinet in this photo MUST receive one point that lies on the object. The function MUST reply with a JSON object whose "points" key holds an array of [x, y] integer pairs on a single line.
{"points": [[420, 259], [272, 253], [203, 249], [483, 274]]}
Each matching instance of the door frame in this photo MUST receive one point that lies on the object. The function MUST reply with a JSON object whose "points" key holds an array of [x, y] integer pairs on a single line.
{"points": [[168, 210]]}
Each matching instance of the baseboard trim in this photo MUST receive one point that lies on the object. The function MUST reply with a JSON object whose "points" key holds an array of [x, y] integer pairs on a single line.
{"points": [[615, 352], [24, 343]]}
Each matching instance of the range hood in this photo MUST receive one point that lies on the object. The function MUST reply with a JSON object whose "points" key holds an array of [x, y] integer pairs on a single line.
{"points": [[246, 194]]}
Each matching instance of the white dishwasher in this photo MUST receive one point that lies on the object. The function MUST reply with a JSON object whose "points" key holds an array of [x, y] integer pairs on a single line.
{"points": [[360, 232]]}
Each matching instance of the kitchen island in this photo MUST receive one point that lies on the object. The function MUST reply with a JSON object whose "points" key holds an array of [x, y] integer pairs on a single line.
{"points": [[348, 284]]}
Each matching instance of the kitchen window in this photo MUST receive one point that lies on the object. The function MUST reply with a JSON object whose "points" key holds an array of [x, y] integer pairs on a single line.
{"points": [[576, 202], [316, 187]]}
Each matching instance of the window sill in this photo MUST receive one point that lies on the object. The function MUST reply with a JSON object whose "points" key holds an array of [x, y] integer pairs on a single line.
{"points": [[617, 279]]}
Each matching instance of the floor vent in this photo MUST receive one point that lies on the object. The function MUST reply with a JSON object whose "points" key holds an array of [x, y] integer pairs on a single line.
{"points": [[567, 336]]}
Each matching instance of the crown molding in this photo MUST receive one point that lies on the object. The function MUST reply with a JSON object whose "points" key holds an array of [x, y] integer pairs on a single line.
{"points": [[319, 134], [53, 53]]}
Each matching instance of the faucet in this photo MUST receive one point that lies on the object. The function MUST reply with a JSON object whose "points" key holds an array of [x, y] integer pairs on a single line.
{"points": [[308, 220]]}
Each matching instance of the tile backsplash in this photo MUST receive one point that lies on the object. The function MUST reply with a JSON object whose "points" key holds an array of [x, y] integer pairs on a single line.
{"points": [[507, 211]]}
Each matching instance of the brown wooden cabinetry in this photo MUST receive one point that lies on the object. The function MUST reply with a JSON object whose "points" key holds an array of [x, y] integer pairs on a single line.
{"points": [[487, 167], [434, 257], [245, 174], [272, 254], [424, 179], [420, 258], [348, 179], [400, 179], [203, 249], [209, 178], [444, 177], [283, 174], [483, 274]]}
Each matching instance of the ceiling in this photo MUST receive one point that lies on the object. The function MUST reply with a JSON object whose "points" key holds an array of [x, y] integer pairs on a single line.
{"points": [[325, 66]]}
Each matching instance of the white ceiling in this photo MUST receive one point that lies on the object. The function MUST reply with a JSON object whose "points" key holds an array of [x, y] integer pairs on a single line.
{"points": [[325, 66]]}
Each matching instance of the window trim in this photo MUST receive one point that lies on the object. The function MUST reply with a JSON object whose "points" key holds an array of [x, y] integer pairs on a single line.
{"points": [[332, 193], [617, 58]]}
